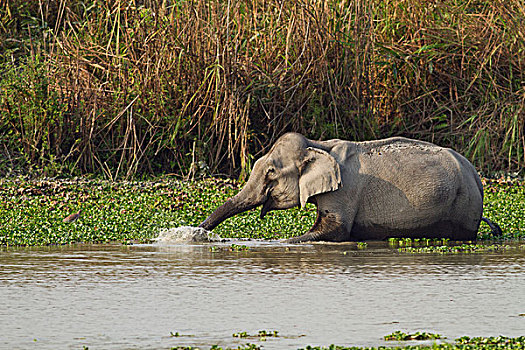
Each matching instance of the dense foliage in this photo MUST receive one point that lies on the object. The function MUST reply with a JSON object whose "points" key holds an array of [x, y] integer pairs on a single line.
{"points": [[32, 212], [128, 87]]}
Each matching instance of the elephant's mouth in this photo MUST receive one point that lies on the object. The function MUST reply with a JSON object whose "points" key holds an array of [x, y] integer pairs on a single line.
{"points": [[267, 206], [270, 204]]}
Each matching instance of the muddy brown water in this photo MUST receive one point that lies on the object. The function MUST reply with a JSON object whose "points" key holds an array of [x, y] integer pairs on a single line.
{"points": [[133, 297]]}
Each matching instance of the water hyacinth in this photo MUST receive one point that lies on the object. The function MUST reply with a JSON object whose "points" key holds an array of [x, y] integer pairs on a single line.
{"points": [[401, 336], [33, 212], [463, 343], [456, 249]]}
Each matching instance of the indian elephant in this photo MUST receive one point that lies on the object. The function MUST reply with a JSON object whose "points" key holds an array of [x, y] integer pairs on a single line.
{"points": [[372, 190]]}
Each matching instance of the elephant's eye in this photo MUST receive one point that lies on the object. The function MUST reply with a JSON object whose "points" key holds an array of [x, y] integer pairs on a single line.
{"points": [[270, 174]]}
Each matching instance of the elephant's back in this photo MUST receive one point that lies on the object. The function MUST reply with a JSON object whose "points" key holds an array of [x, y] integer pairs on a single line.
{"points": [[406, 182], [398, 144], [415, 166], [413, 177]]}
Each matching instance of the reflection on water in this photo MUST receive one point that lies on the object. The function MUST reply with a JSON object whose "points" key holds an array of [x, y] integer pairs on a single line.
{"points": [[134, 297]]}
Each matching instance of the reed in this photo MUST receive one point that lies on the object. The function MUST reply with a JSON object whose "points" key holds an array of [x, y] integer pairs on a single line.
{"points": [[128, 87]]}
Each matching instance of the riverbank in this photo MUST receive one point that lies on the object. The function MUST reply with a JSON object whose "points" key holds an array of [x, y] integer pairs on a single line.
{"points": [[32, 212]]}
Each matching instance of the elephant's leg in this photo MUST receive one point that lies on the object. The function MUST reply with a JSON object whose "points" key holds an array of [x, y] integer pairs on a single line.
{"points": [[327, 227], [307, 237]]}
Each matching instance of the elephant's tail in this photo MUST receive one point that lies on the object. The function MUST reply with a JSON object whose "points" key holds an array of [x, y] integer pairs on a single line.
{"points": [[496, 230]]}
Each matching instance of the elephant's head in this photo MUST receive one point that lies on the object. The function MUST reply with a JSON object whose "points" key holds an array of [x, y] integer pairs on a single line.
{"points": [[292, 172]]}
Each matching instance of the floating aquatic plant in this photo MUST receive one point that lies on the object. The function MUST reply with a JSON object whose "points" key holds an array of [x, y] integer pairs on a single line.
{"points": [[32, 212], [246, 346], [262, 335], [401, 336], [238, 248], [500, 342], [457, 249], [240, 335], [409, 242], [464, 343], [362, 245]]}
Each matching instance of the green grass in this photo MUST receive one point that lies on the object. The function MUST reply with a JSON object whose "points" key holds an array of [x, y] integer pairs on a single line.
{"points": [[32, 212]]}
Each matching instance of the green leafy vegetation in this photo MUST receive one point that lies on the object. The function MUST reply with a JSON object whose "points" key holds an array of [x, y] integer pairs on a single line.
{"points": [[177, 334], [409, 242], [498, 342], [462, 248], [265, 333], [262, 335], [240, 335], [445, 246], [504, 203], [401, 336], [247, 346], [238, 248], [463, 343], [362, 245], [32, 212]]}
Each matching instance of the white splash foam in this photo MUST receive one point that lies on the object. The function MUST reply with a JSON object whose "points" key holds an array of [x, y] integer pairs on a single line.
{"points": [[185, 234]]}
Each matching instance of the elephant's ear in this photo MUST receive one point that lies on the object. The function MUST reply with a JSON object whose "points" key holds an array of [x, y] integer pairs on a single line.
{"points": [[319, 173]]}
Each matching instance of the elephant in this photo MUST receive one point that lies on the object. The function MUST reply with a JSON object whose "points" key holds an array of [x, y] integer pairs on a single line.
{"points": [[370, 190]]}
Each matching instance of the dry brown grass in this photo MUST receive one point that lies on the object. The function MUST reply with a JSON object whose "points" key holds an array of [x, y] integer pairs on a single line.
{"points": [[181, 86]]}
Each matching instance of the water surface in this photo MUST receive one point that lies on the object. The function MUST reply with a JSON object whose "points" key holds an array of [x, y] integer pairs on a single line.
{"points": [[133, 297]]}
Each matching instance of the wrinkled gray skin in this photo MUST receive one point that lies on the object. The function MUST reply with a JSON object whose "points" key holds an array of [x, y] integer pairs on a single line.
{"points": [[372, 190]]}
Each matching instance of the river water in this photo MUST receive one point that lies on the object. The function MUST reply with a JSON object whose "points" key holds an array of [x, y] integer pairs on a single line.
{"points": [[134, 297]]}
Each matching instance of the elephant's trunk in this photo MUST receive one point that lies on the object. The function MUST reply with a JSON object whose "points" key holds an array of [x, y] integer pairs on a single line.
{"points": [[230, 208], [252, 195]]}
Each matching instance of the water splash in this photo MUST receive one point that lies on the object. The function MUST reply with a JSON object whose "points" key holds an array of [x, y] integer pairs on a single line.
{"points": [[186, 234]]}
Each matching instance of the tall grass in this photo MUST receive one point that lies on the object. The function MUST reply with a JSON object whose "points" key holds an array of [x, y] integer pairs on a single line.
{"points": [[126, 87]]}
